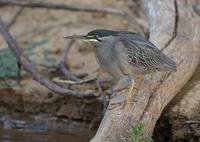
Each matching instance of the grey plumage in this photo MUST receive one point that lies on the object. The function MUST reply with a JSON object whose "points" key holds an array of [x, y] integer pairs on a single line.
{"points": [[124, 53], [144, 54]]}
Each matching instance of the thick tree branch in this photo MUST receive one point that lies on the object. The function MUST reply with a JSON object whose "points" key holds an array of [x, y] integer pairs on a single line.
{"points": [[171, 27], [27, 65]]}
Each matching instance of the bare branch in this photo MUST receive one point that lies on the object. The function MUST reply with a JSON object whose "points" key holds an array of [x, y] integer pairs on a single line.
{"points": [[10, 23], [14, 18], [62, 65], [59, 80], [63, 7], [74, 8], [27, 65], [192, 122]]}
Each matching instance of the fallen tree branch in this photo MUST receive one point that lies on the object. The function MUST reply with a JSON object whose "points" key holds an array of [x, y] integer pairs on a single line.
{"points": [[62, 7], [192, 122], [70, 82], [27, 65], [79, 8]]}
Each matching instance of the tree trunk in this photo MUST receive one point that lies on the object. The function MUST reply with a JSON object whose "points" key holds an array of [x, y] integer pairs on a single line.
{"points": [[174, 27]]}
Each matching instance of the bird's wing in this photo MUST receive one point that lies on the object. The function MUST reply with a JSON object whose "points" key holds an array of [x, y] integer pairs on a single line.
{"points": [[141, 52]]}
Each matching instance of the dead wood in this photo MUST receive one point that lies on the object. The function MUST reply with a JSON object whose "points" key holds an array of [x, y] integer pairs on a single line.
{"points": [[74, 8], [47, 5], [174, 26], [62, 64], [27, 65]]}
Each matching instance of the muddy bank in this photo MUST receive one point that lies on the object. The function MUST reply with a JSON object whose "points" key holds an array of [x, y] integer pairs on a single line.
{"points": [[20, 136], [33, 111]]}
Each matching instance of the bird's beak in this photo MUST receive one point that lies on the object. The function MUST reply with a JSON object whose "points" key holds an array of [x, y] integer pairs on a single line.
{"points": [[83, 37], [86, 38]]}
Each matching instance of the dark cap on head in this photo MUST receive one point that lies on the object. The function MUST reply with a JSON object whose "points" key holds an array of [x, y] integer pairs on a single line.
{"points": [[103, 33]]}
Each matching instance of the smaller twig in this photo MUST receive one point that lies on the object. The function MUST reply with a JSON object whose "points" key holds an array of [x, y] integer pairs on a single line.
{"points": [[18, 73], [9, 24], [62, 65], [103, 96], [48, 66], [59, 80], [14, 18], [176, 20], [197, 9], [192, 122], [63, 7], [87, 9], [98, 83]]}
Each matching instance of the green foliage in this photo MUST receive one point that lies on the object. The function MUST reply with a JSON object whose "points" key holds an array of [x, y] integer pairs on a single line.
{"points": [[35, 44], [47, 61], [8, 63], [8, 66], [7, 83], [137, 134]]}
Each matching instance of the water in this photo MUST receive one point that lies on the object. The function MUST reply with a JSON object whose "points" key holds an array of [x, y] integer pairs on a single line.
{"points": [[20, 136]]}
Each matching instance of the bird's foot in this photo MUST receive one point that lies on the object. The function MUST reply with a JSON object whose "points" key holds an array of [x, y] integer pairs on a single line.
{"points": [[103, 95], [100, 89], [119, 97], [117, 101]]}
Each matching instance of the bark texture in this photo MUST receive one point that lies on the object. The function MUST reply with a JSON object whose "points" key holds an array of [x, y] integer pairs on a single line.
{"points": [[175, 28], [181, 116]]}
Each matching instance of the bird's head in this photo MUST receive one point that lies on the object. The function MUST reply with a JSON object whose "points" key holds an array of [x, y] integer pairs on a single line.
{"points": [[96, 37]]}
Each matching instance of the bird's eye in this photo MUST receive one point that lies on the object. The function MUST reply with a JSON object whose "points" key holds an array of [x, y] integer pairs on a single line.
{"points": [[97, 38]]}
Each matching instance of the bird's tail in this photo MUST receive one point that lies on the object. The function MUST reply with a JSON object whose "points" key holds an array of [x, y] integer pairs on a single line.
{"points": [[169, 64]]}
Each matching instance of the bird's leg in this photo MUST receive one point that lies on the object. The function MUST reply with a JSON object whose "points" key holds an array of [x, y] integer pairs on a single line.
{"points": [[18, 73], [133, 91], [132, 86], [98, 84], [129, 96], [123, 83], [121, 100], [103, 96], [110, 85]]}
